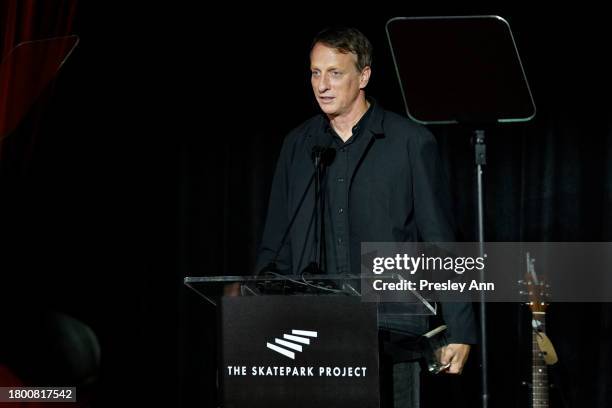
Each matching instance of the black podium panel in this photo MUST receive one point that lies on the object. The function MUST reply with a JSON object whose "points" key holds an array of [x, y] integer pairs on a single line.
{"points": [[299, 351]]}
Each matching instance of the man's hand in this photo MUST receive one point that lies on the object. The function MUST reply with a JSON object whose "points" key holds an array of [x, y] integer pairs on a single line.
{"points": [[456, 355]]}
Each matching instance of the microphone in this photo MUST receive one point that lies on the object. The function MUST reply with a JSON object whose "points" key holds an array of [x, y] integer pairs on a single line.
{"points": [[321, 156]]}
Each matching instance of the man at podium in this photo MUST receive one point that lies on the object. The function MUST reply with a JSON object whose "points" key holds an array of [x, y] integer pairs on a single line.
{"points": [[379, 180]]}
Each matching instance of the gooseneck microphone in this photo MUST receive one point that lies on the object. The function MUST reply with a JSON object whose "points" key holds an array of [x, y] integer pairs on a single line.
{"points": [[321, 156]]}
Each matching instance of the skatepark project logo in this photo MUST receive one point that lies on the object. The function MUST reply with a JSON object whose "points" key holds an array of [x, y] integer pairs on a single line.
{"points": [[288, 346], [294, 341]]}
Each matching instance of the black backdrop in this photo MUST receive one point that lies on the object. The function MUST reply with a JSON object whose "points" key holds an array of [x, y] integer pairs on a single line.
{"points": [[151, 158]]}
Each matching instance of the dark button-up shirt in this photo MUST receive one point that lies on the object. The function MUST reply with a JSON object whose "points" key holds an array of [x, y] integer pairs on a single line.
{"points": [[336, 206]]}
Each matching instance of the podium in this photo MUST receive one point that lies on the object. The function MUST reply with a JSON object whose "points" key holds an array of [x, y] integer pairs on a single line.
{"points": [[285, 343], [300, 341]]}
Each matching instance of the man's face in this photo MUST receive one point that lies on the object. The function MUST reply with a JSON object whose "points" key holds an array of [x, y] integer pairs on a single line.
{"points": [[336, 82]]}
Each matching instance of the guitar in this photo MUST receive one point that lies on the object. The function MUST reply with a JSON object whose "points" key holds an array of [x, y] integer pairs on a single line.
{"points": [[542, 351]]}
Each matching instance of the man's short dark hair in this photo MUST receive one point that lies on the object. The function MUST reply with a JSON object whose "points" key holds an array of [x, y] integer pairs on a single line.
{"points": [[347, 40]]}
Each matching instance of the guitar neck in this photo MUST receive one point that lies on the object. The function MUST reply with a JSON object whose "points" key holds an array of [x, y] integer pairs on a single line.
{"points": [[539, 371]]}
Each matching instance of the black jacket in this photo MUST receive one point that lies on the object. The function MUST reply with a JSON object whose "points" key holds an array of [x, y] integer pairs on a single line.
{"points": [[398, 192]]}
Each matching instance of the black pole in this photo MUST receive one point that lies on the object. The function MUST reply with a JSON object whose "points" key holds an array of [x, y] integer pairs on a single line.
{"points": [[481, 160]]}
